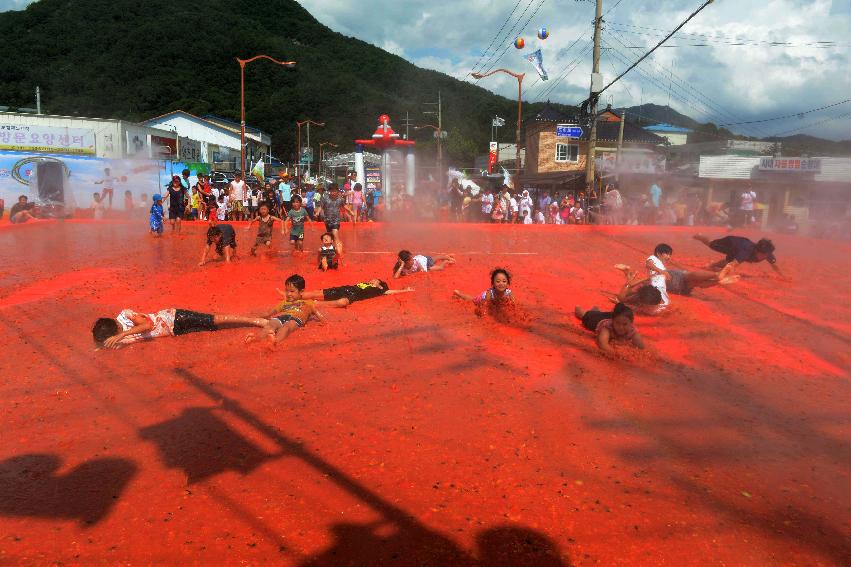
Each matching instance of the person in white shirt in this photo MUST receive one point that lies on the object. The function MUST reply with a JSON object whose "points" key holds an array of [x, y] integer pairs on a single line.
{"points": [[514, 208], [747, 201], [539, 217], [238, 195], [487, 205], [527, 219], [526, 204], [659, 276]]}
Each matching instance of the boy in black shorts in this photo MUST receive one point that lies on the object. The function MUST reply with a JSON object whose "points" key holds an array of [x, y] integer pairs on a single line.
{"points": [[222, 239], [345, 295], [739, 249], [130, 326]]}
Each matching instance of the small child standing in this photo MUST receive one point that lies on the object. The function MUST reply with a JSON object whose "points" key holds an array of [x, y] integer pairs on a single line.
{"points": [[297, 216], [97, 206], [157, 214], [407, 263], [265, 223], [494, 299], [222, 209], [327, 257]]}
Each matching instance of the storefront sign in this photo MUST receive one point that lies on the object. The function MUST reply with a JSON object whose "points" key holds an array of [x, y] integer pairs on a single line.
{"points": [[189, 150], [807, 165], [47, 139]]}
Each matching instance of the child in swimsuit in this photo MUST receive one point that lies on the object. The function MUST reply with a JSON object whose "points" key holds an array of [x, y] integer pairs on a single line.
{"points": [[497, 297], [297, 217], [291, 314], [265, 223], [611, 326], [327, 257]]}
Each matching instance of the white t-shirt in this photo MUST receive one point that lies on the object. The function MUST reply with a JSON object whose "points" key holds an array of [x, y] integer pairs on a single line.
{"points": [[513, 204], [526, 205], [420, 265], [747, 200], [222, 211], [527, 220], [238, 190], [539, 218], [487, 203], [657, 279], [163, 325]]}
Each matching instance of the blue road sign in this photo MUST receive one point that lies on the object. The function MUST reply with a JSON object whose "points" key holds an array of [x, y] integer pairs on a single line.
{"points": [[568, 131]]}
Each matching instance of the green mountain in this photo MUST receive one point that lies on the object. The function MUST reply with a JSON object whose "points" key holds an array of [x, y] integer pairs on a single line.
{"points": [[134, 60]]}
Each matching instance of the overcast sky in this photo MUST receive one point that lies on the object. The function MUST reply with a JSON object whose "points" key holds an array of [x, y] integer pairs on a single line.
{"points": [[716, 81]]}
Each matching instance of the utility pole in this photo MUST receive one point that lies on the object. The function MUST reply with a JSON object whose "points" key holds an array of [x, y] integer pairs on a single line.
{"points": [[38, 100], [311, 150], [592, 138], [620, 147], [407, 122], [439, 135]]}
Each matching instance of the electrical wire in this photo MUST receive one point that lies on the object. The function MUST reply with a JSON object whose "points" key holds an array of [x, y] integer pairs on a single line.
{"points": [[529, 19], [498, 33], [794, 115]]}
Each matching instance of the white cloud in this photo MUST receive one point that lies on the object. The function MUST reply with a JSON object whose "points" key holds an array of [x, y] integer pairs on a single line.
{"points": [[719, 83], [6, 5]]}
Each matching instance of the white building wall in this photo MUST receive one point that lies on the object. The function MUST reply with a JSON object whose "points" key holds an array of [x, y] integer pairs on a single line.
{"points": [[196, 130]]}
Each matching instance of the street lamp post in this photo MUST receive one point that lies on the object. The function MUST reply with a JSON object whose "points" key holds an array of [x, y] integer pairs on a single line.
{"points": [[321, 155], [242, 64], [298, 135], [519, 77]]}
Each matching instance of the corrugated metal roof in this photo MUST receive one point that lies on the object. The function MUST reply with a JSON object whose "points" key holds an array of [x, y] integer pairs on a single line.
{"points": [[727, 167], [835, 170], [667, 128]]}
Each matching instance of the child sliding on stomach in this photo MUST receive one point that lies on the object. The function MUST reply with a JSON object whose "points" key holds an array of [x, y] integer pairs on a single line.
{"points": [[610, 326], [264, 230], [327, 257], [292, 313], [222, 239], [495, 299], [345, 295], [407, 263], [130, 327]]}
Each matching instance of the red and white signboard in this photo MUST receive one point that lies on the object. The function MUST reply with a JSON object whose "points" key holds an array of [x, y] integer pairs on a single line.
{"points": [[493, 156]]}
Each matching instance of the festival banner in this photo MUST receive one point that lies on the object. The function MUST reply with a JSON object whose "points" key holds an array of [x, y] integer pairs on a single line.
{"points": [[493, 156], [47, 139], [536, 58]]}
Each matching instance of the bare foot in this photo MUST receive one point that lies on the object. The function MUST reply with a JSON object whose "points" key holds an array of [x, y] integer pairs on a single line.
{"points": [[622, 267], [729, 279]]}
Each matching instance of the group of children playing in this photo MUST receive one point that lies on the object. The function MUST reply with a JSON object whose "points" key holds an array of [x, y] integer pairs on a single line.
{"points": [[650, 295]]}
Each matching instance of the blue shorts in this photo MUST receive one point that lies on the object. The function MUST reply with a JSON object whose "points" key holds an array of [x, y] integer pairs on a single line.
{"points": [[284, 318], [429, 262], [329, 226]]}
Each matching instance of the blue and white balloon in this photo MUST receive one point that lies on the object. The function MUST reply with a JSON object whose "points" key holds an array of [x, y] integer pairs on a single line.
{"points": [[543, 33]]}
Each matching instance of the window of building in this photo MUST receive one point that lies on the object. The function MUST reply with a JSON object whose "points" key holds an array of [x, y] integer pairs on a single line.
{"points": [[567, 153]]}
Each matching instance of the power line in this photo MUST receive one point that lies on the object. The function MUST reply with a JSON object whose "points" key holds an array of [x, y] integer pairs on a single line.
{"points": [[666, 38], [547, 90], [498, 33], [820, 122], [796, 114], [565, 52], [718, 37], [698, 96], [529, 19]]}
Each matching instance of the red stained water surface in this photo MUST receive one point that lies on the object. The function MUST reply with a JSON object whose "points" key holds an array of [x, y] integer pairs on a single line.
{"points": [[405, 430]]}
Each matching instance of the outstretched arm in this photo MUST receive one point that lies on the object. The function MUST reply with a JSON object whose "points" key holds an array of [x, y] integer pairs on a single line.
{"points": [[396, 291], [204, 254], [777, 270], [463, 296], [603, 341], [140, 325], [398, 273]]}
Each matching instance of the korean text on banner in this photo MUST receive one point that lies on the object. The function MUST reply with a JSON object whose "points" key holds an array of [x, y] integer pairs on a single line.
{"points": [[47, 139]]}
